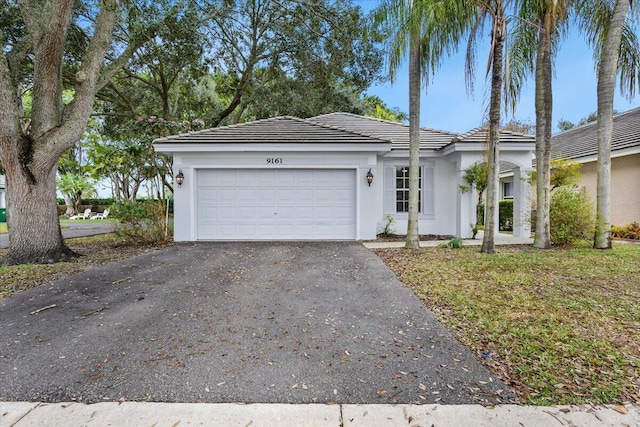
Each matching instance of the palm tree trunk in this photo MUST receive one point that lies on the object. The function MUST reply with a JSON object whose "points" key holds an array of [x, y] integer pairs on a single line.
{"points": [[607, 72], [493, 160], [413, 235], [544, 109]]}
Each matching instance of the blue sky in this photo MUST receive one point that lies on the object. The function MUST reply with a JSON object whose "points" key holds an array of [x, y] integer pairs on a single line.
{"points": [[446, 105]]}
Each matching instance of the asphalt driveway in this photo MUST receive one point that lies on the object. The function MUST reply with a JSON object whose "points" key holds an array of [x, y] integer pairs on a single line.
{"points": [[235, 322]]}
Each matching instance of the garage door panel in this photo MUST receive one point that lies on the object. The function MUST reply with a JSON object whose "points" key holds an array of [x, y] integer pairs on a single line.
{"points": [[303, 178], [343, 213], [285, 196], [245, 196], [207, 195], [283, 178], [226, 196], [225, 179], [278, 204], [304, 211], [304, 195], [247, 212]]}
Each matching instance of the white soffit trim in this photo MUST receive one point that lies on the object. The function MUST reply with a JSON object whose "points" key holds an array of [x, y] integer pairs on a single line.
{"points": [[475, 147]]}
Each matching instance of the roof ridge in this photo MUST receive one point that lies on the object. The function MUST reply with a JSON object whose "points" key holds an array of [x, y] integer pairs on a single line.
{"points": [[462, 136], [376, 119], [332, 127], [275, 119]]}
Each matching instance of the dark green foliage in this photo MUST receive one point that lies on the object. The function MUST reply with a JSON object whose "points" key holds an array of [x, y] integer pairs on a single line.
{"points": [[505, 209], [106, 201], [141, 222], [506, 215]]}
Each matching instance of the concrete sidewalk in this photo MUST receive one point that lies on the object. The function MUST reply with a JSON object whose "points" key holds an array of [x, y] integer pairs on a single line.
{"points": [[23, 414]]}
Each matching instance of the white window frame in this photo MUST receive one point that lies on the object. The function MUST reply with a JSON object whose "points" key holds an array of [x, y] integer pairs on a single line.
{"points": [[402, 177], [507, 185]]}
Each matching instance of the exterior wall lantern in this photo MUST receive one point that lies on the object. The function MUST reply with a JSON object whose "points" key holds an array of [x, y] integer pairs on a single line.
{"points": [[180, 178], [369, 177]]}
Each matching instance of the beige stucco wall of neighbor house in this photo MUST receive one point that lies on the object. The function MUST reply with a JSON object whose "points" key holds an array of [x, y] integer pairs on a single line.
{"points": [[625, 187]]}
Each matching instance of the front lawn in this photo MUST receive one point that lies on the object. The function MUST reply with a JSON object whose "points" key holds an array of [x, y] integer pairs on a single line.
{"points": [[561, 326]]}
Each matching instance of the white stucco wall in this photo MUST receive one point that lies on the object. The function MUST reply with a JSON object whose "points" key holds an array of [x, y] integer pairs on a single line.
{"points": [[442, 221], [453, 211]]}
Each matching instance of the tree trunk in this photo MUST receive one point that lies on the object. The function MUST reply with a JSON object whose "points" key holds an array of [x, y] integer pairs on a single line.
{"points": [[488, 244], [70, 205], [413, 234], [544, 109], [607, 72], [35, 216]]}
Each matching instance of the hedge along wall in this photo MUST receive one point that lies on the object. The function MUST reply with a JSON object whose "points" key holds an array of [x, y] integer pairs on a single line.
{"points": [[99, 205], [505, 214]]}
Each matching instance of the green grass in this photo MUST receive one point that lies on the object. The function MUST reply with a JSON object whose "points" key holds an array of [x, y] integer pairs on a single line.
{"points": [[3, 227], [562, 326]]}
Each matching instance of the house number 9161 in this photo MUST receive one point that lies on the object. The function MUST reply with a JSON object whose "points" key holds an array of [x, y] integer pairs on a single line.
{"points": [[274, 160]]}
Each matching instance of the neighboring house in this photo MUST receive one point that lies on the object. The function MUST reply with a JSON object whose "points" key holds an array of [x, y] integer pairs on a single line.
{"points": [[286, 178], [580, 144], [3, 203]]}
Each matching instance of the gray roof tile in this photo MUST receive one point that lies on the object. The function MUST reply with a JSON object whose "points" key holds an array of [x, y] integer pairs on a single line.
{"points": [[481, 135], [283, 129], [582, 141], [334, 128], [397, 133]]}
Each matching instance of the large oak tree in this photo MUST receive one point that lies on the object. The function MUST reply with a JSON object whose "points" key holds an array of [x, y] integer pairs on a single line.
{"points": [[47, 46]]}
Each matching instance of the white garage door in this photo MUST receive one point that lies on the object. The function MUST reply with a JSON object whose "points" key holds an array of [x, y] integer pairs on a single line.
{"points": [[276, 204]]}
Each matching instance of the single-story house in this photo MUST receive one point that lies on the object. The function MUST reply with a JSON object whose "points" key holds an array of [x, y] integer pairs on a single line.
{"points": [[580, 144], [337, 176]]}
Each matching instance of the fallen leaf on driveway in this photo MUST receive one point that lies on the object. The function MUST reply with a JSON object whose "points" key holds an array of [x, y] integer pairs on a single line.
{"points": [[621, 408], [382, 393]]}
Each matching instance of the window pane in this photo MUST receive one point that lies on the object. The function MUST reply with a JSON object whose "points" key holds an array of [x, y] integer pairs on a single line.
{"points": [[402, 189]]}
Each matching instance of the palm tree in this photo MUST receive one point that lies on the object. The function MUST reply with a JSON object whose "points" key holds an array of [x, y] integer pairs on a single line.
{"points": [[429, 29], [617, 51], [495, 9], [540, 27]]}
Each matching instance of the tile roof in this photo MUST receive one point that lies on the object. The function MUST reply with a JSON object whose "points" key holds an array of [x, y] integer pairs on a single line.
{"points": [[283, 129], [335, 128], [397, 133], [481, 135], [582, 141]]}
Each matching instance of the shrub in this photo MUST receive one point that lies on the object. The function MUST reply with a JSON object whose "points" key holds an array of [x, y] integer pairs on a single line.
{"points": [[389, 227], [455, 243], [505, 212], [629, 231], [506, 215], [142, 222], [571, 216]]}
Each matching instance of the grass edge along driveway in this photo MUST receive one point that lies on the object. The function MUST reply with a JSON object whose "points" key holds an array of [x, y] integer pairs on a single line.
{"points": [[561, 326]]}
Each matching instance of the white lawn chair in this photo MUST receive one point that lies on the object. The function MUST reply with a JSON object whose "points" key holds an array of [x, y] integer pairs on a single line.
{"points": [[103, 215], [85, 215]]}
